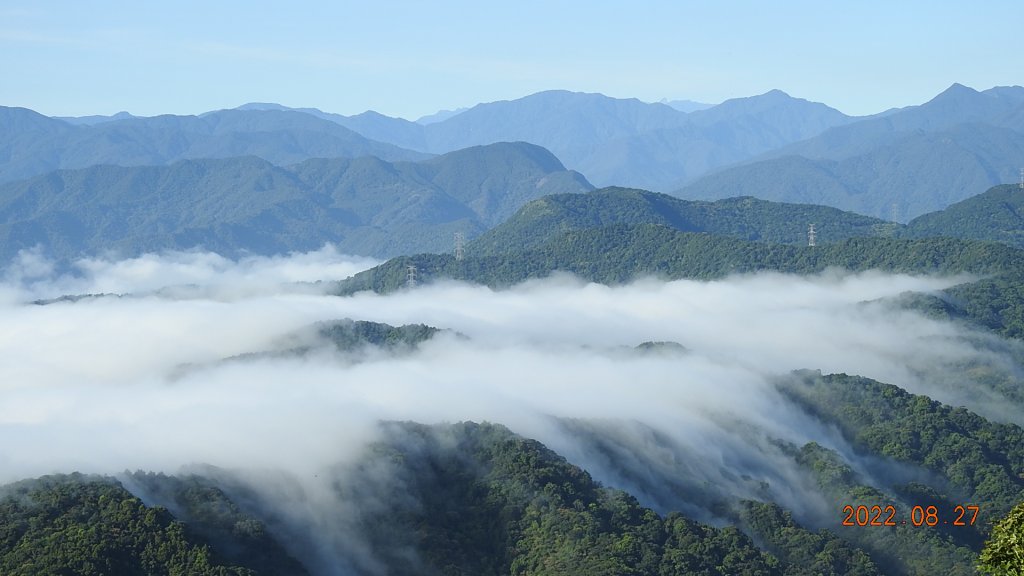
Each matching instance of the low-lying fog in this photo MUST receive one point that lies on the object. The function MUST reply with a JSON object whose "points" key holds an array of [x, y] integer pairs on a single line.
{"points": [[115, 383]]}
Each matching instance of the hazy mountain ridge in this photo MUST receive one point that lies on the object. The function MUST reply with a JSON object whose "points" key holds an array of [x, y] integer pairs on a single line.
{"points": [[945, 149], [791, 119], [615, 141], [365, 205], [920, 159], [959, 142], [685, 105], [370, 124], [31, 144], [954, 106], [920, 173], [96, 118]]}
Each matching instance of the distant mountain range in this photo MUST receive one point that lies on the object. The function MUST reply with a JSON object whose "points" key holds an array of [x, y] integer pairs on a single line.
{"points": [[364, 206], [613, 141], [686, 105], [896, 166], [95, 119], [33, 144]]}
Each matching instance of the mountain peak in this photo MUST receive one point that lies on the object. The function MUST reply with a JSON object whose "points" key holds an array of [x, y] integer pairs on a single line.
{"points": [[770, 101], [262, 106], [956, 92], [758, 102], [373, 114]]}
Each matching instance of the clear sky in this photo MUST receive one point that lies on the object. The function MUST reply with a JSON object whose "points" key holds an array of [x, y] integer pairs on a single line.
{"points": [[413, 57]]}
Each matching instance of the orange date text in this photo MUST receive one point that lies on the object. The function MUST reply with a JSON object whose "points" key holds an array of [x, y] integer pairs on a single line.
{"points": [[861, 515]]}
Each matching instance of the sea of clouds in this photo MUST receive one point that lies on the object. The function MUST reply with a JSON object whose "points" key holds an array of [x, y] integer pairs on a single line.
{"points": [[148, 377]]}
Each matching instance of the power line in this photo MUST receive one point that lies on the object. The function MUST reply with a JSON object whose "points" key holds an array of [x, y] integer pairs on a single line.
{"points": [[460, 246]]}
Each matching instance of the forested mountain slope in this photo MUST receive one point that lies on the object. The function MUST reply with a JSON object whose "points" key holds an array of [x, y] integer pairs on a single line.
{"points": [[996, 215], [364, 206], [544, 219], [620, 253], [476, 498]]}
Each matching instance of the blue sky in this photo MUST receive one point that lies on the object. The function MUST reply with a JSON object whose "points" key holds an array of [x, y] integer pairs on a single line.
{"points": [[410, 58]]}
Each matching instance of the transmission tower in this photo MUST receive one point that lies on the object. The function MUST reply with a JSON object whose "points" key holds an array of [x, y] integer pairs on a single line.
{"points": [[460, 246], [410, 276], [1022, 178], [812, 234]]}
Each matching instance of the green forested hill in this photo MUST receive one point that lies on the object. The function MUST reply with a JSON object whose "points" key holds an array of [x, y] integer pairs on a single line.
{"points": [[87, 526], [355, 340], [486, 501], [348, 334], [983, 461], [808, 552], [468, 499], [542, 220], [236, 205], [973, 462], [475, 499], [996, 215], [615, 254], [478, 499]]}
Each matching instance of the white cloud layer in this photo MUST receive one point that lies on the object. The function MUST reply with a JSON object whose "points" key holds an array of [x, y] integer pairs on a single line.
{"points": [[32, 276], [108, 384]]}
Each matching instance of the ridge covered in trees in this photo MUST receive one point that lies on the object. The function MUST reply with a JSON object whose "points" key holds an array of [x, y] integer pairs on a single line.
{"points": [[621, 253], [478, 499]]}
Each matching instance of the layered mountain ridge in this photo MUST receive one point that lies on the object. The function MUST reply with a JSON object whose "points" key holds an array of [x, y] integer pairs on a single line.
{"points": [[895, 165], [235, 205]]}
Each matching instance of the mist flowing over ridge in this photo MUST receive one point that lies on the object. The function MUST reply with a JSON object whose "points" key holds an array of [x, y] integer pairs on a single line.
{"points": [[556, 359], [692, 386], [514, 326]]}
